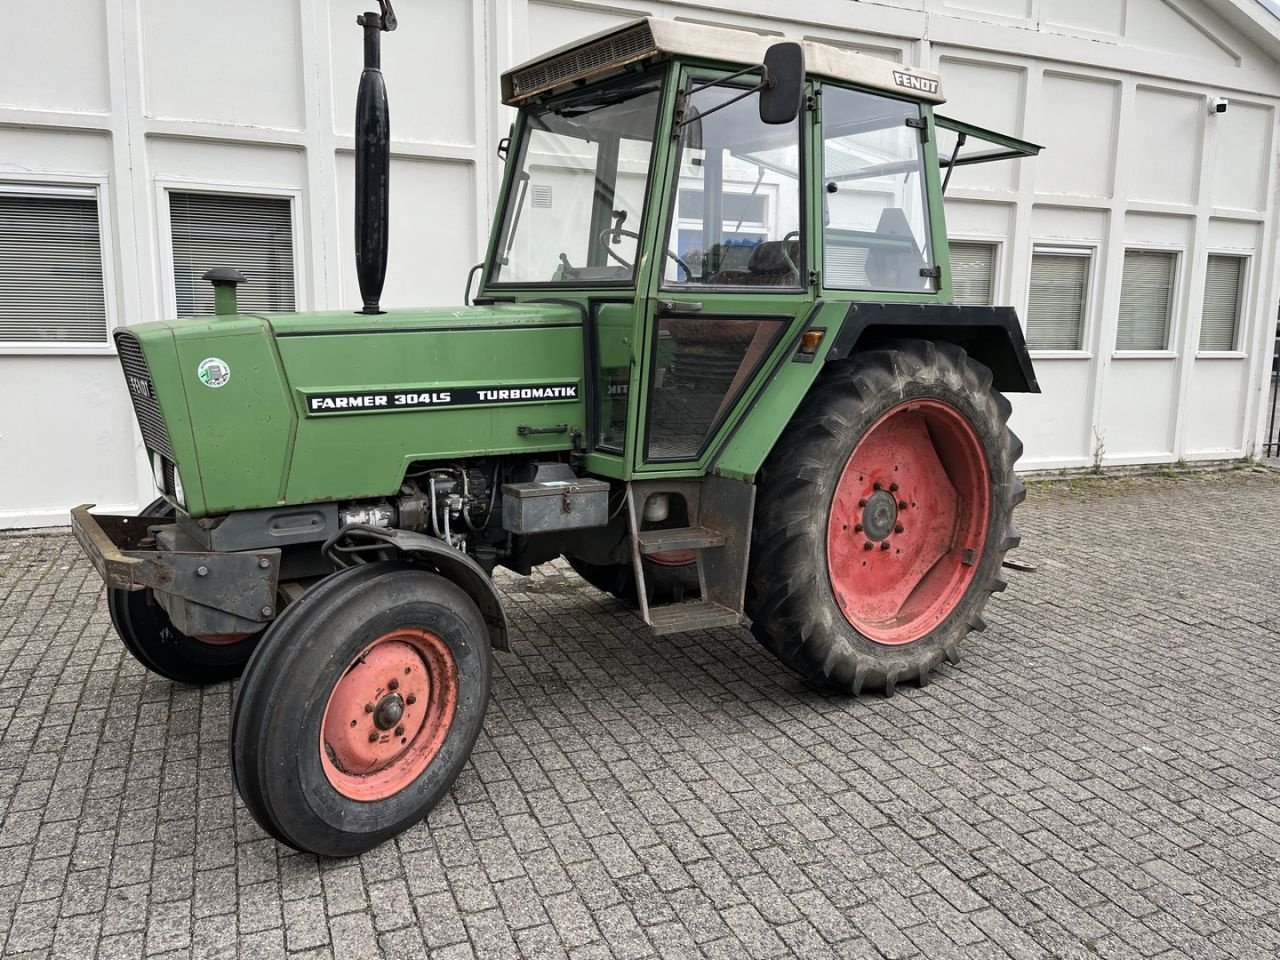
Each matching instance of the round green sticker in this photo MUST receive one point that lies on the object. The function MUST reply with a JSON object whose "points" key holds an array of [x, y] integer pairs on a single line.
{"points": [[213, 372]]}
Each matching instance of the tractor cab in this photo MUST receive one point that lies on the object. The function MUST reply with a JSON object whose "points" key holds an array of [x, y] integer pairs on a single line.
{"points": [[714, 204]]}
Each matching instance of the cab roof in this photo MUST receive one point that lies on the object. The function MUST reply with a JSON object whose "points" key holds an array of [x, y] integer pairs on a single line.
{"points": [[651, 40]]}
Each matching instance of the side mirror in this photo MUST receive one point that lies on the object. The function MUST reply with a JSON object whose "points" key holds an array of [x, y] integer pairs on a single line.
{"points": [[783, 90]]}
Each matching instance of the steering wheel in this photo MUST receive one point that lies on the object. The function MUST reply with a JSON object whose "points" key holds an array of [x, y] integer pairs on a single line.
{"points": [[786, 254], [605, 235]]}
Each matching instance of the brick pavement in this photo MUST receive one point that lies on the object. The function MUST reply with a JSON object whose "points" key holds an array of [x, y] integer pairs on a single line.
{"points": [[1098, 778]]}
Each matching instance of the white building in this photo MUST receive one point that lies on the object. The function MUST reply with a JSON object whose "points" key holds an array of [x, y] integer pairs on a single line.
{"points": [[136, 132]]}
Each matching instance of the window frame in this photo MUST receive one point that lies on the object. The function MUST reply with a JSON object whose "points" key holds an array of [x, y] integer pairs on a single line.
{"points": [[164, 231], [78, 185], [1173, 330], [997, 262], [670, 224], [1238, 350], [1088, 250]]}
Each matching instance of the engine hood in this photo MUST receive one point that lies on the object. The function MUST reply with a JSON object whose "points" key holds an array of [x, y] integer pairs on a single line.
{"points": [[262, 410]]}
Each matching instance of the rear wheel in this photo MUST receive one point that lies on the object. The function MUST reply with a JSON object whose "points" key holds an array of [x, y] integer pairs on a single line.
{"points": [[670, 577], [883, 517], [150, 636], [360, 708]]}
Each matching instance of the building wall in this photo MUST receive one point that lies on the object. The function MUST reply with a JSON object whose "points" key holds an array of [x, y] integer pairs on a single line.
{"points": [[138, 98]]}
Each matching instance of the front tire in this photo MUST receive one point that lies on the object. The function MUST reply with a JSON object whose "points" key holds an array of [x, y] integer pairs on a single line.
{"points": [[883, 517], [360, 708], [150, 636]]}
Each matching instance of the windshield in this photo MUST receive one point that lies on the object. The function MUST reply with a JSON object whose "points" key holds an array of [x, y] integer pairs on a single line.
{"points": [[575, 203]]}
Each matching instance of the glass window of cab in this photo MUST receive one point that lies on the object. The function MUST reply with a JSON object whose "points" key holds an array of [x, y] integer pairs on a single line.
{"points": [[875, 195], [736, 211], [574, 205]]}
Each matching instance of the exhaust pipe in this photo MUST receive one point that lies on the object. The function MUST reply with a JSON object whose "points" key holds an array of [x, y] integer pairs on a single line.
{"points": [[373, 160]]}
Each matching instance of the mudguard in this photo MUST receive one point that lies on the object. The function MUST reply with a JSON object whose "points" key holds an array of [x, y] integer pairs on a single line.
{"points": [[456, 567], [991, 335]]}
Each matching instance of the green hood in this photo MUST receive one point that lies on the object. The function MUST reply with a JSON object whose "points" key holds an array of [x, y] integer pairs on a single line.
{"points": [[260, 410]]}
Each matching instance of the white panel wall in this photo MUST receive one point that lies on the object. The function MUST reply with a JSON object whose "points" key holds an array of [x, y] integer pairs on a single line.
{"points": [[75, 77], [235, 71], [138, 97]]}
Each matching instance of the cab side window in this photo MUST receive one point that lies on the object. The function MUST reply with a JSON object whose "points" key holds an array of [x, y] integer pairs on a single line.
{"points": [[736, 215], [875, 208]]}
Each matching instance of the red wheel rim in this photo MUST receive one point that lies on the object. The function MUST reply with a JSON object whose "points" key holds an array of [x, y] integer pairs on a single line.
{"points": [[388, 715], [909, 521], [673, 558], [221, 639]]}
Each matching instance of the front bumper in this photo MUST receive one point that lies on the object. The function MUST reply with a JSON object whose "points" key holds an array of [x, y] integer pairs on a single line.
{"points": [[205, 593]]}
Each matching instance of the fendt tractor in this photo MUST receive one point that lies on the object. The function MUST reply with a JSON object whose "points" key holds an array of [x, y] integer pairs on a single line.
{"points": [[712, 359]]}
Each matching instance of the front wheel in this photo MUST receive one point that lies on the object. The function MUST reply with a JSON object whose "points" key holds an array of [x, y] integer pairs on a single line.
{"points": [[883, 517], [360, 708]]}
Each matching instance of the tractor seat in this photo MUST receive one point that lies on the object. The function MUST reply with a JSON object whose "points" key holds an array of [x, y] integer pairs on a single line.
{"points": [[768, 267]]}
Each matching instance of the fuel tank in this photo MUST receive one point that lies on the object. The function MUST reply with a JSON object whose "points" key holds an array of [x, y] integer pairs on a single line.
{"points": [[249, 411]]}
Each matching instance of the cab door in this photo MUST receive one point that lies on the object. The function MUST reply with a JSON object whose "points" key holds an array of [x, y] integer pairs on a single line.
{"points": [[734, 283]]}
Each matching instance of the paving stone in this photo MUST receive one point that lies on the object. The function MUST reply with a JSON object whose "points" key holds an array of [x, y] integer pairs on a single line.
{"points": [[1098, 778]]}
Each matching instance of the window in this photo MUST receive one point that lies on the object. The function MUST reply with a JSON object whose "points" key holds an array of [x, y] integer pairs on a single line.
{"points": [[1223, 297], [251, 234], [1058, 299], [875, 208], [576, 199], [737, 212], [700, 368], [973, 273], [1146, 300], [51, 279]]}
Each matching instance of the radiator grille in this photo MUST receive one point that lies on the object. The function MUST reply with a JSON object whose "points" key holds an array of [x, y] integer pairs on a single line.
{"points": [[143, 394], [624, 47], [170, 484]]}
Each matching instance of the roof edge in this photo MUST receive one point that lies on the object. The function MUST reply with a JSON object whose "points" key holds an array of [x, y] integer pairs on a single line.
{"points": [[650, 39]]}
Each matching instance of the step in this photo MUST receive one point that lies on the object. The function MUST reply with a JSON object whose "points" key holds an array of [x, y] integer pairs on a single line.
{"points": [[678, 538], [695, 615]]}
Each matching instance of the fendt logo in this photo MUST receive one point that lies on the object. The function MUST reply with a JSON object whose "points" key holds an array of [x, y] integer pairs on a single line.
{"points": [[140, 387], [912, 82]]}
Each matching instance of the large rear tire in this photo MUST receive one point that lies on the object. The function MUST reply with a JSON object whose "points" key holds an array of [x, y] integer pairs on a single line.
{"points": [[883, 516], [150, 636], [360, 708], [670, 578]]}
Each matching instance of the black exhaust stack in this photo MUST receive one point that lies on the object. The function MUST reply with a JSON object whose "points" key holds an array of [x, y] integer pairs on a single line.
{"points": [[373, 160]]}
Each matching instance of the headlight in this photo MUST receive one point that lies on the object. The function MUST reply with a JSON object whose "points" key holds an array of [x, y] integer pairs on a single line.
{"points": [[178, 493], [157, 470]]}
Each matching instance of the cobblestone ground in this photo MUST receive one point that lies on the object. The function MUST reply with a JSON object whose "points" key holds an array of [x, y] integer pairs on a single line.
{"points": [[1099, 778]]}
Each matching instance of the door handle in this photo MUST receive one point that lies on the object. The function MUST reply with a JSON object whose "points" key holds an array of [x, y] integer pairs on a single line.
{"points": [[677, 307]]}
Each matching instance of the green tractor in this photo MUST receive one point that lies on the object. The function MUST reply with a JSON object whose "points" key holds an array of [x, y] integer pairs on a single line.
{"points": [[712, 359]]}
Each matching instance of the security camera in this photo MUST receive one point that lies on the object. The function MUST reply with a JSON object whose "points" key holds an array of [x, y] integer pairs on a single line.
{"points": [[1218, 105]]}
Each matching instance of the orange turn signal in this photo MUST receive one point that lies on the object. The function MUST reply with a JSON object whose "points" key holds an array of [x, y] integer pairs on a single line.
{"points": [[810, 340]]}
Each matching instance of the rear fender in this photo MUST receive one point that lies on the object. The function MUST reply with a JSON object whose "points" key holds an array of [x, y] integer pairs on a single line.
{"points": [[991, 335]]}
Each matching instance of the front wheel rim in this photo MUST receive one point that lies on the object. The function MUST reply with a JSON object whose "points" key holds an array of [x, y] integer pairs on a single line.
{"points": [[909, 521], [388, 715]]}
